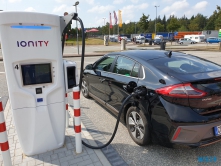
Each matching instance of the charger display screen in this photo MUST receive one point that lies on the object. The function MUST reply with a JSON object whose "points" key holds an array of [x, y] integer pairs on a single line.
{"points": [[36, 74]]}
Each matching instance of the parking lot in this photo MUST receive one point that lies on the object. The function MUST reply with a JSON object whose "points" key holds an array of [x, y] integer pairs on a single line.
{"points": [[133, 154]]}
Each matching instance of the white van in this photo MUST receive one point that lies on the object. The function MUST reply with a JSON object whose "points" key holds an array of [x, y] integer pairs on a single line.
{"points": [[196, 38], [140, 39]]}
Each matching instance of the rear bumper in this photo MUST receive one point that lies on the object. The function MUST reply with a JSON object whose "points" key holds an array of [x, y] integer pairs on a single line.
{"points": [[198, 144], [196, 135]]}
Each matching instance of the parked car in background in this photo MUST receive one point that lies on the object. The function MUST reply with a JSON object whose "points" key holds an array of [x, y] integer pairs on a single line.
{"points": [[140, 39], [184, 92], [186, 41], [195, 38], [213, 40], [113, 39], [157, 41], [147, 40], [128, 39]]}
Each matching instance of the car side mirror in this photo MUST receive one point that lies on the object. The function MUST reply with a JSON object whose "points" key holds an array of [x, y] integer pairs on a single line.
{"points": [[89, 67]]}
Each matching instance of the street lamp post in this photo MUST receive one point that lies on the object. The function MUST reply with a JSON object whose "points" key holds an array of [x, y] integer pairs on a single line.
{"points": [[104, 24], [135, 28], [77, 3], [156, 20]]}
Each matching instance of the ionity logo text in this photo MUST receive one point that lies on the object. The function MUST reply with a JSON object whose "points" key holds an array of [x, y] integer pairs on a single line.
{"points": [[32, 43]]}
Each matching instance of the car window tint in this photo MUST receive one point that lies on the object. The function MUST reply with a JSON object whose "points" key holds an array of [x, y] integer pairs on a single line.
{"points": [[123, 66], [105, 63], [184, 65], [135, 71]]}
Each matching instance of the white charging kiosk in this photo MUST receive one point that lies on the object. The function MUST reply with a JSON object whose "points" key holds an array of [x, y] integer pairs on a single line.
{"points": [[32, 54]]}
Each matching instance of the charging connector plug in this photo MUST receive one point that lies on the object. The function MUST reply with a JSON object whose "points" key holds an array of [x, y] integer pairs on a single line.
{"points": [[140, 92]]}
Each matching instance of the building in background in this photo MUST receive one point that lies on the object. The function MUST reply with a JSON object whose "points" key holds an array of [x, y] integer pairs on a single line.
{"points": [[210, 33]]}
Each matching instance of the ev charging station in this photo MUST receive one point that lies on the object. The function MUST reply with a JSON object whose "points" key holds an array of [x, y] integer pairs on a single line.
{"points": [[38, 80], [37, 77]]}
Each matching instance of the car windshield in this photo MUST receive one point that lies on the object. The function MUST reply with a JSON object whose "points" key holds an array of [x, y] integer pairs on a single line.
{"points": [[184, 65], [158, 39]]}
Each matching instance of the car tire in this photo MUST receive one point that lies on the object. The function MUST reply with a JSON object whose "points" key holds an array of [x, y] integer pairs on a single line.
{"points": [[191, 43], [181, 43], [84, 89], [138, 126]]}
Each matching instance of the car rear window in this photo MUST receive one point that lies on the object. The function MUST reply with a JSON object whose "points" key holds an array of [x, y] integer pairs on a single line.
{"points": [[184, 65]]}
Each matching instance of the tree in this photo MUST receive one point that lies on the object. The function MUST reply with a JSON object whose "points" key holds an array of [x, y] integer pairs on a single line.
{"points": [[160, 27], [151, 27], [184, 22], [173, 24], [211, 22], [130, 28], [164, 22], [183, 28], [197, 23], [218, 19], [144, 23], [193, 26]]}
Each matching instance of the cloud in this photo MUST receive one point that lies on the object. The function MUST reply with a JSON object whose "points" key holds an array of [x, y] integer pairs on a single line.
{"points": [[101, 9], [118, 1], [143, 6], [127, 21], [30, 9], [60, 1], [182, 7], [134, 1], [128, 12], [168, 1], [96, 22], [198, 8], [178, 7], [91, 2], [64, 8], [201, 5], [155, 3], [14, 1]]}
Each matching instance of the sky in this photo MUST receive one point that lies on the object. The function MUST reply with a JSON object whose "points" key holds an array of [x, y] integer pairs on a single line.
{"points": [[95, 13]]}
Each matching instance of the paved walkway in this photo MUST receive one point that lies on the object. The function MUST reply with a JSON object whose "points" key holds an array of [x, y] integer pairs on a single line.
{"points": [[65, 156]]}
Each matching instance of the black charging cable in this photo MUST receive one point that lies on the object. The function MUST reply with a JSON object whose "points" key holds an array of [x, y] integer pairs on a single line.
{"points": [[115, 129], [83, 51], [139, 92]]}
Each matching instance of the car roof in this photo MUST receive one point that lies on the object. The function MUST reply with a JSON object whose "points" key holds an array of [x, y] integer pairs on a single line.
{"points": [[145, 54]]}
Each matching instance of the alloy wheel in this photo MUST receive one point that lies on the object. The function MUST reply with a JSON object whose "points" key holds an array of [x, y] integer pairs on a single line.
{"points": [[84, 88], [136, 125]]}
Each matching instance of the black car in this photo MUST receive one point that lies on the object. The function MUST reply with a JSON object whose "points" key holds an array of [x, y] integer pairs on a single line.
{"points": [[157, 41], [183, 102]]}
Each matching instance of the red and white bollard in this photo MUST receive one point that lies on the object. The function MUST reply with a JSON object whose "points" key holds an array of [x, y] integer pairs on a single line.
{"points": [[66, 106], [77, 119], [4, 138]]}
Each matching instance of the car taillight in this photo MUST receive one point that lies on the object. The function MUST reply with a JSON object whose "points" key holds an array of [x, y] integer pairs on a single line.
{"points": [[182, 91]]}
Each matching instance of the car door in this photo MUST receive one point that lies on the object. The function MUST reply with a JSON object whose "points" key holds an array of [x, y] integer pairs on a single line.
{"points": [[125, 70], [97, 76], [187, 41]]}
